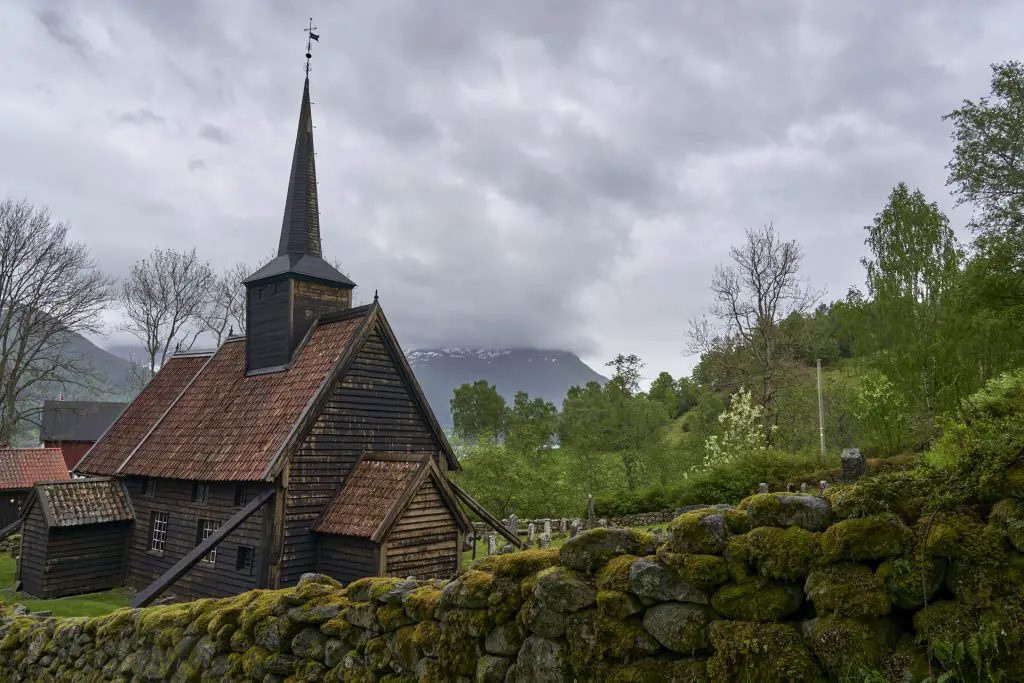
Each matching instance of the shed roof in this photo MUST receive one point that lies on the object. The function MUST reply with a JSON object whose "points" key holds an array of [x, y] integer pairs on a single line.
{"points": [[84, 501], [376, 492], [21, 468], [77, 420]]}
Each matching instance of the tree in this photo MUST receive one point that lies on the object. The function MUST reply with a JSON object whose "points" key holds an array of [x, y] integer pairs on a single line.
{"points": [[987, 168], [225, 308], [752, 297], [742, 432], [530, 425], [478, 411], [627, 371], [495, 477], [911, 274], [164, 300], [677, 396], [50, 291]]}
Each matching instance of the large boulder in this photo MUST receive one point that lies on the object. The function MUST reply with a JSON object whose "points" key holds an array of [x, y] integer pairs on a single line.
{"points": [[680, 627], [592, 549], [777, 553], [752, 651], [541, 660], [848, 590], [650, 579], [787, 509]]}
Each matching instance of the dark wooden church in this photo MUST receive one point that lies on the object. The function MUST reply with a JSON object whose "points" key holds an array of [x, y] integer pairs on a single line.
{"points": [[305, 445]]}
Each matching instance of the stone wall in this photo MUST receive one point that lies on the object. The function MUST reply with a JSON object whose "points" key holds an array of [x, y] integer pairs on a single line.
{"points": [[779, 588]]}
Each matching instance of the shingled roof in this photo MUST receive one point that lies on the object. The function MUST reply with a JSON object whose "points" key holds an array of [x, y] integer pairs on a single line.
{"points": [[140, 416], [77, 420], [21, 468], [209, 420], [84, 501], [376, 492]]}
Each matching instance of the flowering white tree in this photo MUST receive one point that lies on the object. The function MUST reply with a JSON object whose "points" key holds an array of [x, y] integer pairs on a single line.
{"points": [[743, 431]]}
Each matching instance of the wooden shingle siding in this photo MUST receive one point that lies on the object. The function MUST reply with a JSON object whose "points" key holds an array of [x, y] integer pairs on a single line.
{"points": [[370, 409], [312, 299], [346, 558], [72, 560], [203, 580], [424, 543], [269, 338]]}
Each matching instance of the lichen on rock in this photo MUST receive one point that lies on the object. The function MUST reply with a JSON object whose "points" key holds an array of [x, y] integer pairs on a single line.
{"points": [[592, 549], [700, 532], [788, 509]]}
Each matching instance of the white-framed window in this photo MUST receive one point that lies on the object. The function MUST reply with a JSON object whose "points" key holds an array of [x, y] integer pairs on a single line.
{"points": [[158, 531], [203, 532]]}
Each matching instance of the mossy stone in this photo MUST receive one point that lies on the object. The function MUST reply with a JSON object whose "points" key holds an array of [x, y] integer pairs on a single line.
{"points": [[846, 646], [786, 554], [614, 576], [469, 590], [686, 670], [788, 509], [564, 590], [518, 564], [592, 549], [700, 532], [754, 651], [913, 579], [848, 590], [651, 579], [701, 571], [541, 619], [491, 669], [421, 604], [679, 627], [1008, 515], [737, 521], [757, 600], [959, 536], [594, 640], [866, 538], [541, 660], [618, 605]]}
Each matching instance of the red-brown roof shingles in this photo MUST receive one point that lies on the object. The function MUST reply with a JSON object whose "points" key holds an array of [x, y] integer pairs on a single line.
{"points": [[370, 492], [229, 426], [139, 417], [21, 468], [86, 501]]}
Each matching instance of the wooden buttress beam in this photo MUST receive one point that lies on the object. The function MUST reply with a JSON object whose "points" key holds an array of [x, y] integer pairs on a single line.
{"points": [[150, 592], [483, 514]]}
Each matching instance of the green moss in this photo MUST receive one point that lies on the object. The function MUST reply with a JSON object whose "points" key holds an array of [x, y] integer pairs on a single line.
{"points": [[690, 670], [848, 590], [846, 646], [866, 538], [519, 564], [421, 604], [702, 571], [954, 629], [751, 651], [470, 589], [617, 604], [426, 634], [468, 623], [392, 617], [591, 550], [262, 603], [595, 640], [960, 536], [737, 521], [700, 532], [913, 579], [757, 600], [504, 599], [614, 576], [786, 554], [1008, 515]]}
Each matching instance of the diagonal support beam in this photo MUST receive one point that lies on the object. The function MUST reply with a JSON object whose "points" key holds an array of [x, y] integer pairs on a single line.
{"points": [[10, 528], [483, 514], [150, 592]]}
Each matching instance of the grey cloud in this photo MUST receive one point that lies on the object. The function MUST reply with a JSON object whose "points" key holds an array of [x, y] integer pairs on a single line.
{"points": [[536, 173], [140, 117], [214, 134], [196, 164], [58, 27]]}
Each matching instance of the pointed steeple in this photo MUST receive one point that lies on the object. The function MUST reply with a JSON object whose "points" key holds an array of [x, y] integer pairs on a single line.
{"points": [[300, 229]]}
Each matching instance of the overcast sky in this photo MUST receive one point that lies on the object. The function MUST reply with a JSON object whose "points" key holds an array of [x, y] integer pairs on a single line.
{"points": [[551, 173]]}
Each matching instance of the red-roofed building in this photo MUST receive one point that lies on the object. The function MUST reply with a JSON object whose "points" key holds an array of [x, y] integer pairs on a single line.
{"points": [[20, 469], [248, 466]]}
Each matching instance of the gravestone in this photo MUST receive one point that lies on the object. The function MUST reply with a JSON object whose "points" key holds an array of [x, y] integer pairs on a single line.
{"points": [[762, 487], [804, 488], [492, 545], [513, 524], [547, 527], [545, 540], [853, 463], [529, 532]]}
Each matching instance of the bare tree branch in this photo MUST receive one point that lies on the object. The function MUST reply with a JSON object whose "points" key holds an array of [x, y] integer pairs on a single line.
{"points": [[164, 299], [50, 290]]}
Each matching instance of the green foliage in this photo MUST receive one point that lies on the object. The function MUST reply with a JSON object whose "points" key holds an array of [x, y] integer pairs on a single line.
{"points": [[678, 396], [742, 432], [882, 413], [478, 410], [529, 425]]}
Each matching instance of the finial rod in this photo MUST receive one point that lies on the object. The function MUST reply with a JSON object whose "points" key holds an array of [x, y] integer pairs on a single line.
{"points": [[309, 43]]}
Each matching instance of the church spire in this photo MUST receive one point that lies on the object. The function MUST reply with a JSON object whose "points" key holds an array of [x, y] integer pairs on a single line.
{"points": [[300, 229]]}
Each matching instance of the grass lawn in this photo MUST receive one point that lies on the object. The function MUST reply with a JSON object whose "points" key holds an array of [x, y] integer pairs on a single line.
{"points": [[91, 605]]}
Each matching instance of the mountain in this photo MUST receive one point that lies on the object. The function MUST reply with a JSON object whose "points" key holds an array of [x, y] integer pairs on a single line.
{"points": [[546, 374]]}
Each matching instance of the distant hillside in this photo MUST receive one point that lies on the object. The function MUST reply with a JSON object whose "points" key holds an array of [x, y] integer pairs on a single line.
{"points": [[546, 374]]}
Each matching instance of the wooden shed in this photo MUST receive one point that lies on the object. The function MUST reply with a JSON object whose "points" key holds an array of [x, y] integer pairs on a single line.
{"points": [[20, 469], [394, 516], [74, 537]]}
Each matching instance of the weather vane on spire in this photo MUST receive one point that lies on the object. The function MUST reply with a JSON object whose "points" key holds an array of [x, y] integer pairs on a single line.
{"points": [[309, 42]]}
